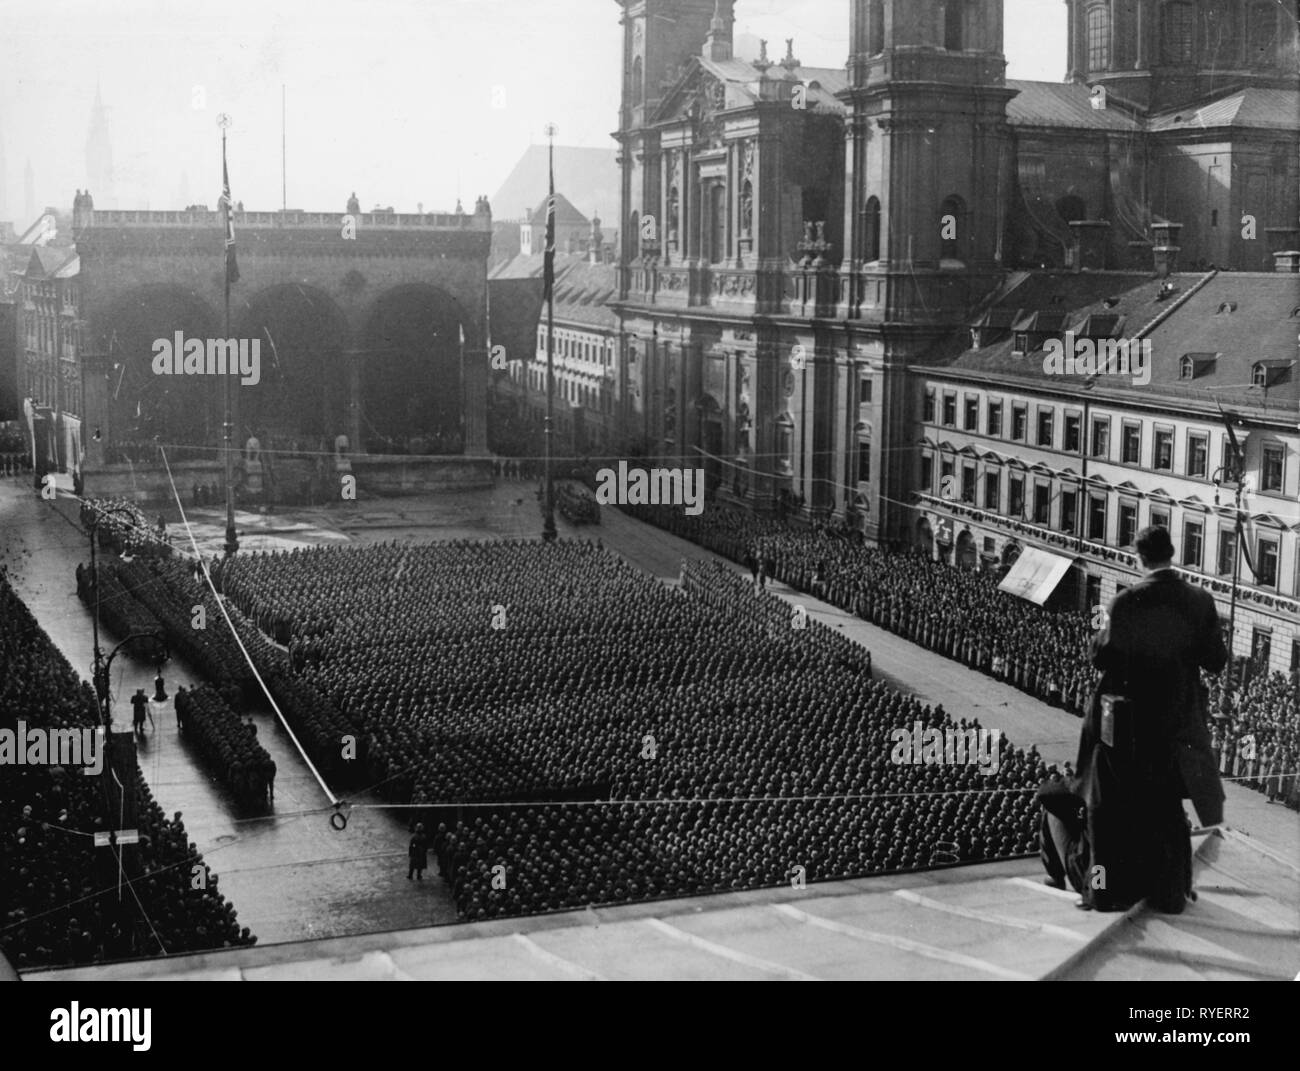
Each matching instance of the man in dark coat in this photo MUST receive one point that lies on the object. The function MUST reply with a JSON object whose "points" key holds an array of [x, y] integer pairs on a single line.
{"points": [[1118, 831], [139, 709], [417, 853]]}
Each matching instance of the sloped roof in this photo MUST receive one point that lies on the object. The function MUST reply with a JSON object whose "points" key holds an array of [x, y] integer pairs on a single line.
{"points": [[49, 262], [565, 213], [589, 178], [1062, 104], [582, 289], [741, 79], [1262, 329], [1252, 107]]}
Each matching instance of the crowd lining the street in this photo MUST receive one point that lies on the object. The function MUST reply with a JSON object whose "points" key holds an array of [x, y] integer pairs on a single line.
{"points": [[59, 899], [962, 615]]}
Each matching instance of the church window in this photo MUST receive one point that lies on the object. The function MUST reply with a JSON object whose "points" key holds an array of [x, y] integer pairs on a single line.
{"points": [[952, 25], [638, 79], [871, 231], [952, 228], [1098, 38], [876, 28]]}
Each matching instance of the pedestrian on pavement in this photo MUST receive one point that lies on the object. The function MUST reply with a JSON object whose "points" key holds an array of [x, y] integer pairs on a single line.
{"points": [[270, 780], [180, 717], [139, 710], [417, 853], [751, 563]]}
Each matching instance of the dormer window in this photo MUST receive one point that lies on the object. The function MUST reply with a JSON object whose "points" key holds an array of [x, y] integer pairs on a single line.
{"points": [[1265, 374], [1227, 308], [1021, 345], [1195, 365]]}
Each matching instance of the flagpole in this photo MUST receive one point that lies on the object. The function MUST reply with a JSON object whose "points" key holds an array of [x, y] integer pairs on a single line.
{"points": [[548, 504], [232, 544]]}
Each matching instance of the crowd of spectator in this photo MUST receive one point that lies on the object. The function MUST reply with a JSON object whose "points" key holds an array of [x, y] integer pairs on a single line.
{"points": [[175, 593], [59, 899], [620, 739], [16, 464], [1258, 742], [228, 743], [962, 615]]}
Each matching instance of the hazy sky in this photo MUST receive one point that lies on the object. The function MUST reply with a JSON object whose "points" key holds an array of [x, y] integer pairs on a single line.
{"points": [[392, 98]]}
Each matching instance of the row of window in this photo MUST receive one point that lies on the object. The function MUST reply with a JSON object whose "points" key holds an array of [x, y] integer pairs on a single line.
{"points": [[41, 387], [578, 347], [40, 335], [588, 397], [952, 19], [1178, 34], [1048, 502], [1196, 452]]}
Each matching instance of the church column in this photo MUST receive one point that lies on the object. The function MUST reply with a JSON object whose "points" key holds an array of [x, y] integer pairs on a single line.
{"points": [[1072, 46], [1143, 35]]}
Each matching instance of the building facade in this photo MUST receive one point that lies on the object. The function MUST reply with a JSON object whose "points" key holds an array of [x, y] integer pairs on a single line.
{"points": [[804, 252], [49, 304]]}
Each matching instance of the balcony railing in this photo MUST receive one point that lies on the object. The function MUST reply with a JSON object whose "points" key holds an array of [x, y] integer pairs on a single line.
{"points": [[1102, 553]]}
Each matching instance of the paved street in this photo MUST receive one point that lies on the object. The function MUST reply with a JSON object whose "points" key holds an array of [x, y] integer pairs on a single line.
{"points": [[289, 874]]}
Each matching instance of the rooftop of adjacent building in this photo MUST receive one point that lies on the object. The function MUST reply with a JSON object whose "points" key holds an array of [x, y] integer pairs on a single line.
{"points": [[582, 289], [1227, 323]]}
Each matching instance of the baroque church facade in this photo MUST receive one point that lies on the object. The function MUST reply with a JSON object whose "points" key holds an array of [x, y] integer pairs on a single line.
{"points": [[800, 247]]}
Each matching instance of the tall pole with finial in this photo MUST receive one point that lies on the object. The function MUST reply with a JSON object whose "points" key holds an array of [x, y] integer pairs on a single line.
{"points": [[548, 503], [232, 543]]}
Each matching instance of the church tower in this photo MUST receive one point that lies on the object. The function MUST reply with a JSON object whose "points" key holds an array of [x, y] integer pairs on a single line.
{"points": [[659, 39], [928, 174], [99, 155], [1161, 54]]}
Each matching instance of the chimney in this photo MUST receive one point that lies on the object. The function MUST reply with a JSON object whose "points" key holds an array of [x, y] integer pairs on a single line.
{"points": [[1166, 248], [596, 241], [1287, 261], [717, 46], [1090, 240]]}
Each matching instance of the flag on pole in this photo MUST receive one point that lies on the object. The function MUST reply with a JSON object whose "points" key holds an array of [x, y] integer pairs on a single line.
{"points": [[232, 268], [548, 272]]}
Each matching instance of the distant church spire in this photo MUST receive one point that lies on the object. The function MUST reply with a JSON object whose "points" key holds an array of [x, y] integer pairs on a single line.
{"points": [[99, 154]]}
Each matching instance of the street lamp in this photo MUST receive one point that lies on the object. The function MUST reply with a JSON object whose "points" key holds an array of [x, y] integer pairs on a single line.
{"points": [[1235, 475], [100, 668]]}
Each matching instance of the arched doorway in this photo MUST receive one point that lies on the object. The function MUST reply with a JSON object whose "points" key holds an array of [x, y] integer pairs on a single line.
{"points": [[411, 374], [966, 550], [143, 406], [303, 392], [925, 537]]}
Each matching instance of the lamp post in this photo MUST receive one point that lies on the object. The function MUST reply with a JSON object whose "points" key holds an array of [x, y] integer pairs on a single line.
{"points": [[1237, 476], [100, 667]]}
